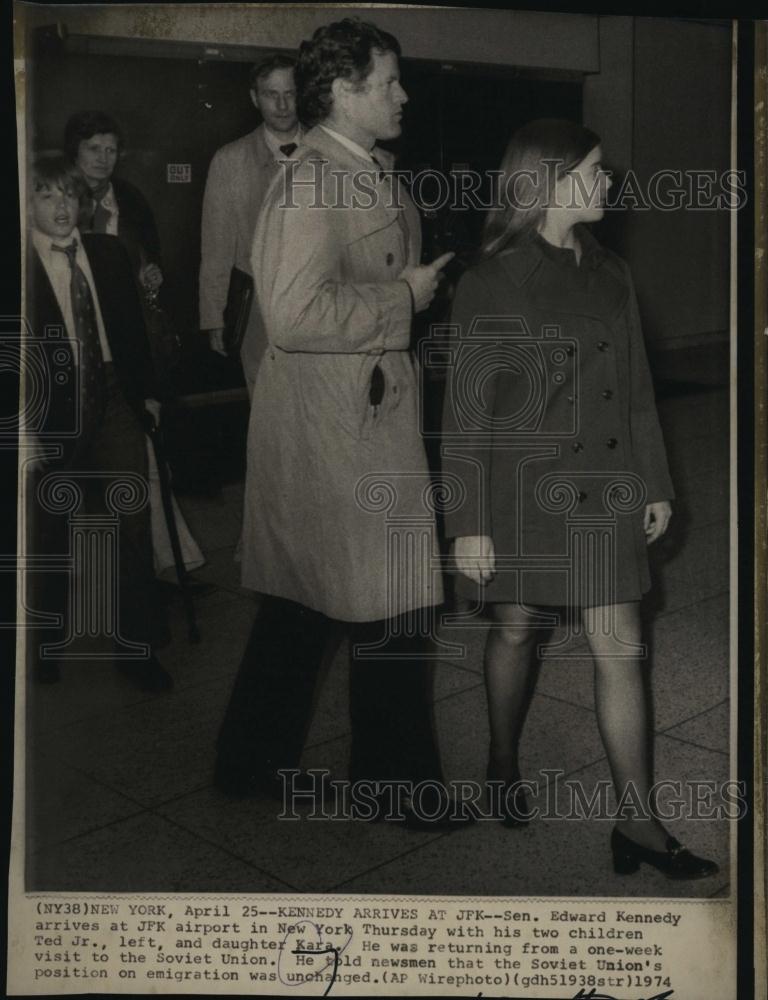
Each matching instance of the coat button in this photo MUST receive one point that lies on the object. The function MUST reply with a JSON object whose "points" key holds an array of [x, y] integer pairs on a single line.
{"points": [[582, 496], [390, 259], [572, 400], [611, 443], [577, 446], [607, 394], [602, 345], [569, 351]]}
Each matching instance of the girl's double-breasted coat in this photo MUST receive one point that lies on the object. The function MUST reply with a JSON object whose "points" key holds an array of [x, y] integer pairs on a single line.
{"points": [[552, 444]]}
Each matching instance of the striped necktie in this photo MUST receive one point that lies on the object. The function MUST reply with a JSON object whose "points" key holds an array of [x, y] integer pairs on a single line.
{"points": [[92, 380]]}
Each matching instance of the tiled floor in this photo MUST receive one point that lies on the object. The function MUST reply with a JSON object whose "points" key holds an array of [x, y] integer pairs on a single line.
{"points": [[121, 796]]}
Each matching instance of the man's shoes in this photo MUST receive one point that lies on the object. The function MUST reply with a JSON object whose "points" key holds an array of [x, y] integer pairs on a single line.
{"points": [[307, 785], [147, 675]]}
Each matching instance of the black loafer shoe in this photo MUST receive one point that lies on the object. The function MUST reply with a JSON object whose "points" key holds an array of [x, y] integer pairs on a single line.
{"points": [[676, 862]]}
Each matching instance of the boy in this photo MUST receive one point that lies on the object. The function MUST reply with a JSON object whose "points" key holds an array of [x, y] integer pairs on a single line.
{"points": [[83, 284]]}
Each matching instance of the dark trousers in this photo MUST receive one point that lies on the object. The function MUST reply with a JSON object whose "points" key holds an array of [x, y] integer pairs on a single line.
{"points": [[269, 711], [117, 446]]}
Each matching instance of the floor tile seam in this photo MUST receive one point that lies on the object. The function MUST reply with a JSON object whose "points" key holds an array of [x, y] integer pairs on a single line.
{"points": [[686, 607], [383, 864], [224, 850], [106, 785], [696, 715], [142, 811], [693, 743], [99, 714]]}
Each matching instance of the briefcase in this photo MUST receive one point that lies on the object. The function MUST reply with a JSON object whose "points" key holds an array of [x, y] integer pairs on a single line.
{"points": [[237, 310]]}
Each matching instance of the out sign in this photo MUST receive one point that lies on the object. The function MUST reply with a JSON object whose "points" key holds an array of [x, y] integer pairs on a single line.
{"points": [[179, 173]]}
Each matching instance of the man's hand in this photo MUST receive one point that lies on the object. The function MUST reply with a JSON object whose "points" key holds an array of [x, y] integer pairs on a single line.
{"points": [[424, 279], [151, 277], [475, 557], [216, 341], [655, 520]]}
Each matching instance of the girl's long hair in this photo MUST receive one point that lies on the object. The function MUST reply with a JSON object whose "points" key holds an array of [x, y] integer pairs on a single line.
{"points": [[537, 156]]}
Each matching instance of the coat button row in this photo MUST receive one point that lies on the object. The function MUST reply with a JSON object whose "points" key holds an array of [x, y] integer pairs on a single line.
{"points": [[603, 345], [611, 443]]}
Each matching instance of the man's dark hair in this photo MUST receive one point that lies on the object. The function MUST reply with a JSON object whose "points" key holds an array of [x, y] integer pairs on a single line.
{"points": [[84, 125], [49, 172], [262, 69], [342, 49]]}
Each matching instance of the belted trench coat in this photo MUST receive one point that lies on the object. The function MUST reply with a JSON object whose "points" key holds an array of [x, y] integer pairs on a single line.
{"points": [[551, 436], [338, 512]]}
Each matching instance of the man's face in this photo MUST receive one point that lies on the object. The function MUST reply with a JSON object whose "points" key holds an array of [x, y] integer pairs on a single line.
{"points": [[54, 211], [97, 157], [374, 108], [275, 97]]}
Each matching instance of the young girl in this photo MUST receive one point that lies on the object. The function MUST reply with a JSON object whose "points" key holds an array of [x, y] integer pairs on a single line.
{"points": [[551, 429]]}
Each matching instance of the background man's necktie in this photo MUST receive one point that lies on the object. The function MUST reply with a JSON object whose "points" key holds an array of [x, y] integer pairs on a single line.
{"points": [[92, 382], [288, 148]]}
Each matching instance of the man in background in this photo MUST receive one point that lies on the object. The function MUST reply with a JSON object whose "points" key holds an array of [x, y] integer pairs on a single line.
{"points": [[238, 178]]}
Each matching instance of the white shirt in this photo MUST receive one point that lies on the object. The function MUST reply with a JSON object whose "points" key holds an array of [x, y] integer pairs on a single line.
{"points": [[351, 145], [57, 268], [274, 142], [109, 204]]}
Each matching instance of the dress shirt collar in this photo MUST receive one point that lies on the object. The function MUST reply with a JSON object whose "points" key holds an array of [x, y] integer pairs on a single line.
{"points": [[351, 145], [274, 142], [43, 243]]}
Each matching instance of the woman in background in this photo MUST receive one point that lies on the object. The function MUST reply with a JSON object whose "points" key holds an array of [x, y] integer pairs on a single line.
{"points": [[94, 142], [552, 407]]}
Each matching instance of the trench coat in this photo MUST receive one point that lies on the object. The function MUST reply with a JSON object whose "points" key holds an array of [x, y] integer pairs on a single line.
{"points": [[550, 435], [238, 178], [338, 513]]}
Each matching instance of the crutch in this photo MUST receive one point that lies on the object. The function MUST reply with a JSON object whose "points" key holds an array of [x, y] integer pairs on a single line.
{"points": [[155, 436]]}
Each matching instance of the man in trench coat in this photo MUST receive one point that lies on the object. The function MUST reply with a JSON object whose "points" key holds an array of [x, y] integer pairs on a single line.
{"points": [[338, 525]]}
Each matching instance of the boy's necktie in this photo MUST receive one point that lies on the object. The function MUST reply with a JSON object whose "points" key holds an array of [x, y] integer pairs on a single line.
{"points": [[86, 331]]}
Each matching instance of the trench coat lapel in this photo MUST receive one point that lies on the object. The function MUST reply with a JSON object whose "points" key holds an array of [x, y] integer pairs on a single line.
{"points": [[384, 211]]}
